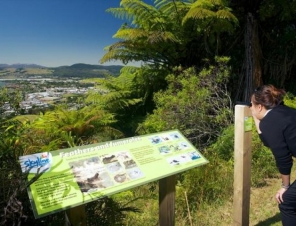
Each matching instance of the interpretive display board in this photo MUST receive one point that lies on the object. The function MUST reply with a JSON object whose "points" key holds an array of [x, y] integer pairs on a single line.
{"points": [[74, 176]]}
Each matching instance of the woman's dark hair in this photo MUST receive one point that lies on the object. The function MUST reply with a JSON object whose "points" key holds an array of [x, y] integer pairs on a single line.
{"points": [[269, 96]]}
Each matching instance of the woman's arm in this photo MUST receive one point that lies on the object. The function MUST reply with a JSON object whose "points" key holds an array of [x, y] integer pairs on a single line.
{"points": [[284, 187], [285, 181]]}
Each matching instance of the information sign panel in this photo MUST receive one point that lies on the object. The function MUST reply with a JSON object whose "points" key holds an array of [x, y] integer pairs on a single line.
{"points": [[74, 176]]}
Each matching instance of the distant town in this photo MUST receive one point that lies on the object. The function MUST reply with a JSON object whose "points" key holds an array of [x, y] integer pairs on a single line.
{"points": [[47, 95], [42, 88]]}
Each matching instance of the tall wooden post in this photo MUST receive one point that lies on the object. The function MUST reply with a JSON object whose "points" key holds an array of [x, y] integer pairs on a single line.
{"points": [[242, 165], [167, 188]]}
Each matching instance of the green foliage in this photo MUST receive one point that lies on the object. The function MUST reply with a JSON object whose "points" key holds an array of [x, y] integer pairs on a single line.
{"points": [[195, 103], [11, 98], [121, 97], [108, 212], [263, 164], [11, 146], [62, 128], [214, 16], [210, 183], [145, 198], [128, 96], [168, 33], [224, 145], [119, 93], [284, 9], [290, 100]]}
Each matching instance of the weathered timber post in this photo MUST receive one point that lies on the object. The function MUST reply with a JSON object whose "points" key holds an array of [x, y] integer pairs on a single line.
{"points": [[167, 189], [76, 216], [242, 165]]}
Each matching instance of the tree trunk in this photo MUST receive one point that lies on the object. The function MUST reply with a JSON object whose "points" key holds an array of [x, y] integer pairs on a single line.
{"points": [[253, 72]]}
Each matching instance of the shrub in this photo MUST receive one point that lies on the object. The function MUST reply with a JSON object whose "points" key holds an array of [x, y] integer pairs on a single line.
{"points": [[262, 165], [198, 104]]}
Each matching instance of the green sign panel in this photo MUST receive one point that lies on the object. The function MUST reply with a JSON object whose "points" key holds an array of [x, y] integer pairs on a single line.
{"points": [[248, 123], [74, 176]]}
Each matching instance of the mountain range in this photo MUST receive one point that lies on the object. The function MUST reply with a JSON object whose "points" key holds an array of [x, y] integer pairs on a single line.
{"points": [[75, 70], [78, 65], [21, 66]]}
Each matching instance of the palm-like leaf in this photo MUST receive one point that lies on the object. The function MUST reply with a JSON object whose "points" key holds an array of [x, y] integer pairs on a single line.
{"points": [[120, 94], [144, 39], [171, 33], [71, 127], [210, 9]]}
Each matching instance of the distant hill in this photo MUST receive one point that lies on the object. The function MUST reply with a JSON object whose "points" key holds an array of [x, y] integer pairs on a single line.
{"points": [[92, 66], [86, 70], [76, 70], [21, 66]]}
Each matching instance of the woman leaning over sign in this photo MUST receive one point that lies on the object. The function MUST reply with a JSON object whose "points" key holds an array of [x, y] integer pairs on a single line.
{"points": [[276, 126]]}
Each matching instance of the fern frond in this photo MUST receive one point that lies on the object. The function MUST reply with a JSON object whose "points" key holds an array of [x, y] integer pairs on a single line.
{"points": [[128, 70], [199, 13], [142, 12], [171, 6], [120, 13], [226, 14], [130, 34]]}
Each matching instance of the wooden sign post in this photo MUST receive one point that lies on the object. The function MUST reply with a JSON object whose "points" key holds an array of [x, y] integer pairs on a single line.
{"points": [[167, 188], [242, 165], [76, 216]]}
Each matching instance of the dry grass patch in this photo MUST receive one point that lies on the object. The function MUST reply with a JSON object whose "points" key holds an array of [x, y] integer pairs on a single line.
{"points": [[263, 207]]}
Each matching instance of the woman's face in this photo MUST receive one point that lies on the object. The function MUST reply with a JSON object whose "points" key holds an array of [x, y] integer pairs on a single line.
{"points": [[256, 109]]}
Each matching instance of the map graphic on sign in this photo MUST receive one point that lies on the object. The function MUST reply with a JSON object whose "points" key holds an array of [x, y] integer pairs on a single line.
{"points": [[74, 176]]}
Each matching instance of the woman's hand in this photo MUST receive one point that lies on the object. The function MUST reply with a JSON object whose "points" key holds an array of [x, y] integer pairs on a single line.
{"points": [[257, 122], [279, 195]]}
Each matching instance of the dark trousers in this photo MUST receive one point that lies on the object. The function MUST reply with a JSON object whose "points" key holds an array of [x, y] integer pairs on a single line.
{"points": [[288, 207]]}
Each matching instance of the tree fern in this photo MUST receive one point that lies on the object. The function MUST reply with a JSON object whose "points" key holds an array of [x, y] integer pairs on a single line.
{"points": [[138, 42], [205, 9], [119, 96]]}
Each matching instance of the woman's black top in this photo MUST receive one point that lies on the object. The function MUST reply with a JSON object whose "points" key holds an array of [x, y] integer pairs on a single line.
{"points": [[278, 132]]}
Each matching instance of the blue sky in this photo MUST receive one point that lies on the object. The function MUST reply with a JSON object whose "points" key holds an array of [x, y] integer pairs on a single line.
{"points": [[56, 32]]}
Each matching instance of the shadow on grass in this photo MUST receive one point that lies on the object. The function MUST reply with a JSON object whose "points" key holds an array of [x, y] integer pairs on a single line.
{"points": [[270, 221]]}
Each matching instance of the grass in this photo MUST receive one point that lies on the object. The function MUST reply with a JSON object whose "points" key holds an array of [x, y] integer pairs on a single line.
{"points": [[26, 117], [263, 207], [263, 210]]}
